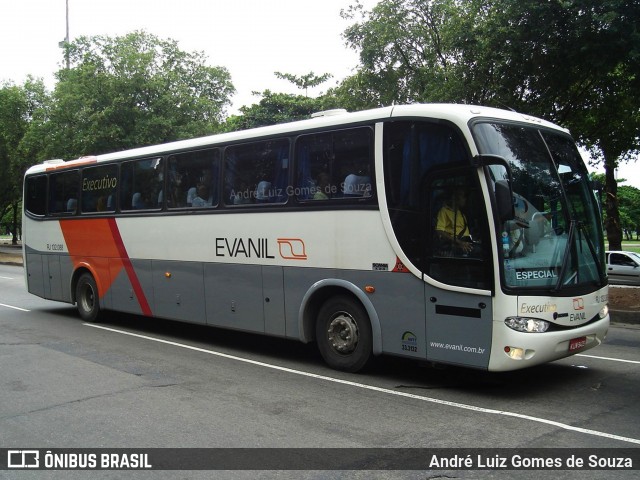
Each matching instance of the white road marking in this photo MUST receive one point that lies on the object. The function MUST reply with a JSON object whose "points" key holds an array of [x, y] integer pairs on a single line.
{"points": [[491, 411], [637, 362], [15, 308]]}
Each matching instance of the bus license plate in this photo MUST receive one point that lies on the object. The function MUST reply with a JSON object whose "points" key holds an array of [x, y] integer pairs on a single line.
{"points": [[577, 343]]}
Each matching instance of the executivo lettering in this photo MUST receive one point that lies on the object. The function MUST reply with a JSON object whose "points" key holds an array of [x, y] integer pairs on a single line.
{"points": [[538, 308]]}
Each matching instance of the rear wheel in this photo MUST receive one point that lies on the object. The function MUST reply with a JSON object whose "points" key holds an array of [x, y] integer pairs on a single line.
{"points": [[343, 333], [87, 298]]}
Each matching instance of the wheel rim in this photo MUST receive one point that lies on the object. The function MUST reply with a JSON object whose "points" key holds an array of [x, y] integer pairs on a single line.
{"points": [[343, 333], [87, 298]]}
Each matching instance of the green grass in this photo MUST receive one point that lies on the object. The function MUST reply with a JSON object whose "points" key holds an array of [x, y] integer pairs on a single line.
{"points": [[628, 245]]}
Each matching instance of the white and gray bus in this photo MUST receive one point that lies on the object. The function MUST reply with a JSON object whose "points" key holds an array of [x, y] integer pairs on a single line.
{"points": [[331, 230]]}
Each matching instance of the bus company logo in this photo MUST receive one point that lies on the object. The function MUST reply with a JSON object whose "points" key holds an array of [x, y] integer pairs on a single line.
{"points": [[289, 248], [23, 459], [578, 303], [409, 342], [292, 248]]}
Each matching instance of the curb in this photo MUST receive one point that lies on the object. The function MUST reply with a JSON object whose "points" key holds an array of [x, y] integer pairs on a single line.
{"points": [[625, 316], [13, 264]]}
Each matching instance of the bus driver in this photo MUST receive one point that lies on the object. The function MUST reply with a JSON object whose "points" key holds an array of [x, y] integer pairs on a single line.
{"points": [[452, 229]]}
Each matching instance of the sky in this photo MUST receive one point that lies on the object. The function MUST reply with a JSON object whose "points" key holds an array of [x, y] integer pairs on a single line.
{"points": [[629, 171], [251, 38]]}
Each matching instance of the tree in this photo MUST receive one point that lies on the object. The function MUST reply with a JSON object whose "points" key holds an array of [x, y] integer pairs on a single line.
{"points": [[629, 205], [575, 62], [13, 124], [17, 104], [274, 108], [131, 91], [629, 201], [583, 73], [304, 82]]}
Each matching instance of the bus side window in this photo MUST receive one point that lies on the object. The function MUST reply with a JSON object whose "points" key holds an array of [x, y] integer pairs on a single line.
{"points": [[63, 192], [193, 179], [142, 183], [257, 173], [99, 188], [457, 241], [335, 165], [413, 151], [36, 195]]}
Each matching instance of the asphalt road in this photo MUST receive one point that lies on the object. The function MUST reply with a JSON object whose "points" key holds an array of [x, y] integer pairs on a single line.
{"points": [[140, 383]]}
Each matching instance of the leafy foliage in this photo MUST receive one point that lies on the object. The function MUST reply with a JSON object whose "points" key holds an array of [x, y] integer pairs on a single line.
{"points": [[304, 82], [274, 108], [131, 91], [18, 109], [575, 62]]}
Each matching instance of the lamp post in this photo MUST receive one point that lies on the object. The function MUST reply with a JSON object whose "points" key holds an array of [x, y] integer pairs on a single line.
{"points": [[64, 44]]}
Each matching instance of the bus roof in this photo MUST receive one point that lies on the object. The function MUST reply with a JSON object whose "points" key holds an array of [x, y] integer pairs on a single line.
{"points": [[456, 113]]}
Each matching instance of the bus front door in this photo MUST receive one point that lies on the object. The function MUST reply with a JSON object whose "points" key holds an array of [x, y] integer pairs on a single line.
{"points": [[459, 327]]}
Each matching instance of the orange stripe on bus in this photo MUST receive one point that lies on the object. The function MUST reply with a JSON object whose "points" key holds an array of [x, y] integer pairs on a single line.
{"points": [[131, 273], [96, 243], [73, 163]]}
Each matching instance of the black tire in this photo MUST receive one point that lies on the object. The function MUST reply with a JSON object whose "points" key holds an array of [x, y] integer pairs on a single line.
{"points": [[343, 334], [87, 299]]}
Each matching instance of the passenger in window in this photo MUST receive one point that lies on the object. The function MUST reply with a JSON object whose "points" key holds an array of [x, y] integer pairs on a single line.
{"points": [[101, 204], [241, 196], [452, 229], [323, 187], [72, 204], [202, 198], [176, 193], [358, 183], [263, 192], [204, 179], [137, 202], [142, 200]]}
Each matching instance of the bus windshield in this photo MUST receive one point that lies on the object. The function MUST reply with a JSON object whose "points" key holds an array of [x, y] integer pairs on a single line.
{"points": [[555, 239]]}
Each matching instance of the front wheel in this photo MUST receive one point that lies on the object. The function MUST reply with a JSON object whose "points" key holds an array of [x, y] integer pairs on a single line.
{"points": [[87, 298], [343, 333]]}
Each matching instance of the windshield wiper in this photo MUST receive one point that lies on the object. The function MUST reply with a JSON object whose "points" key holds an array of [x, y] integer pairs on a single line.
{"points": [[567, 254], [592, 250], [573, 226]]}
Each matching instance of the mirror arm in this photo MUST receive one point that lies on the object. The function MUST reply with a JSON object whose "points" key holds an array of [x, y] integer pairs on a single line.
{"points": [[480, 161], [488, 160]]}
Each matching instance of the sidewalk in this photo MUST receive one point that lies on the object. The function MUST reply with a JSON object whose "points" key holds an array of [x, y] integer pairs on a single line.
{"points": [[10, 254], [625, 317]]}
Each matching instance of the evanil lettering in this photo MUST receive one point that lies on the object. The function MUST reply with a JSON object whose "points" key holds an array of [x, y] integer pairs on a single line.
{"points": [[242, 247], [534, 274]]}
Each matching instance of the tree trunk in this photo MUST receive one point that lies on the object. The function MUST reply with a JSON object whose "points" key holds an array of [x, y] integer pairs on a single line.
{"points": [[612, 223], [14, 240]]}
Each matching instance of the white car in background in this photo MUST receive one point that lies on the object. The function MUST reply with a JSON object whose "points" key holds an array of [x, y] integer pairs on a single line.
{"points": [[623, 268]]}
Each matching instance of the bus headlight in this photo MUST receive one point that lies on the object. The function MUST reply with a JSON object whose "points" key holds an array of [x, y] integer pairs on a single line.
{"points": [[604, 312], [527, 325]]}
